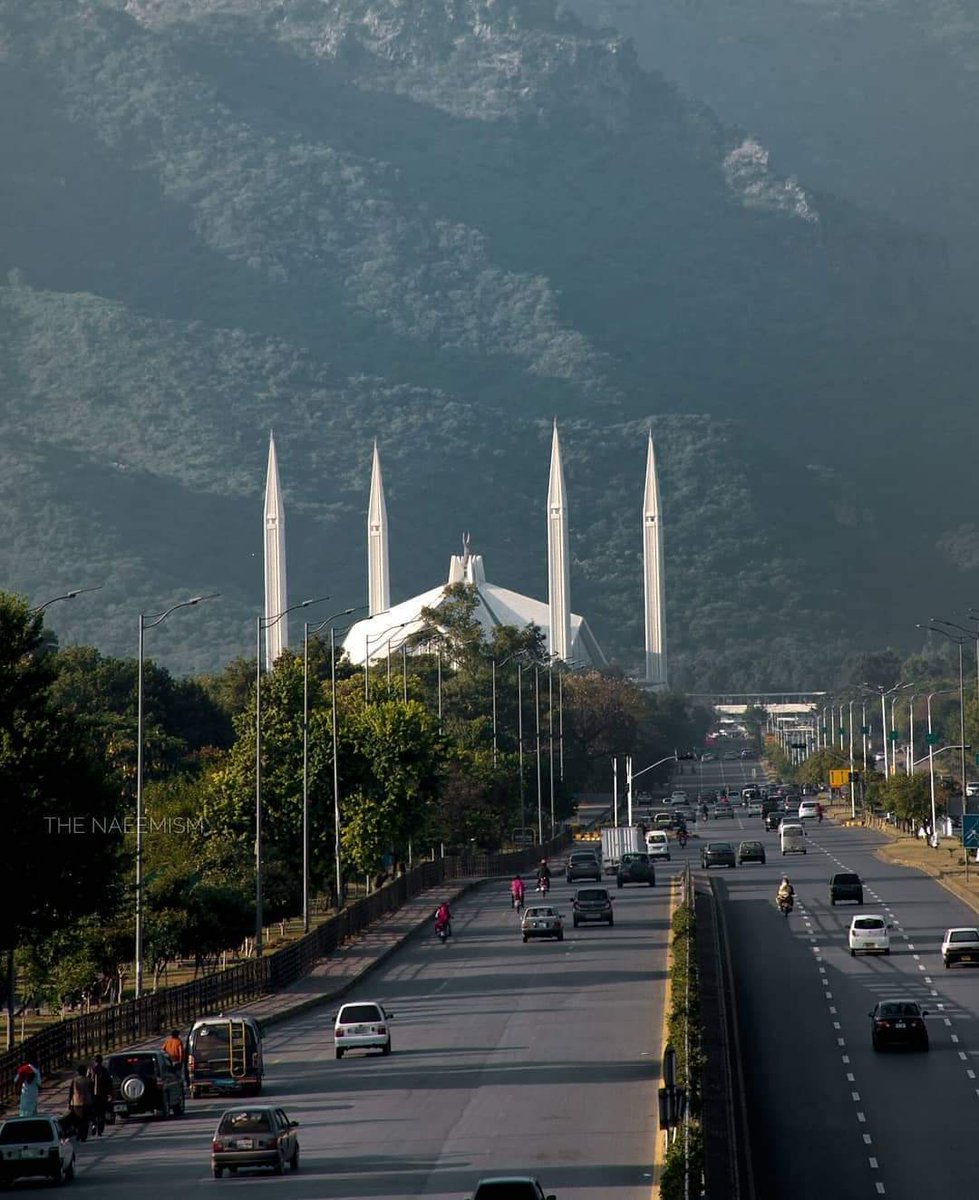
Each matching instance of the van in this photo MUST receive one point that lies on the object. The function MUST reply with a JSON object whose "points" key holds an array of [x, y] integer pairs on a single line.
{"points": [[792, 838], [224, 1054], [658, 844]]}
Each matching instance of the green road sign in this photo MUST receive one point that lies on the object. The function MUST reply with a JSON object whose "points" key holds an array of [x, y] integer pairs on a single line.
{"points": [[825, 729], [894, 735], [932, 739], [841, 731], [865, 730]]}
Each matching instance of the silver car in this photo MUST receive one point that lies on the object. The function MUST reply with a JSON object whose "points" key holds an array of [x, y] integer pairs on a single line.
{"points": [[363, 1025], [260, 1135], [35, 1146], [542, 921]]}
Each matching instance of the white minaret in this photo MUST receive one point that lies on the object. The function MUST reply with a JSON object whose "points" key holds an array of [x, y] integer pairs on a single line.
{"points": [[652, 574], [558, 588], [277, 633], [378, 577]]}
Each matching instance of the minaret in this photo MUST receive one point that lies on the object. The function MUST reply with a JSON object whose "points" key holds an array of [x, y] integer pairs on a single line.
{"points": [[378, 577], [652, 572], [558, 589], [277, 633]]}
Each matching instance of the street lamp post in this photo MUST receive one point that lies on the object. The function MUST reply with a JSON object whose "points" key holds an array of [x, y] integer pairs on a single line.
{"points": [[853, 770], [263, 623], [910, 762], [307, 630], [960, 642], [629, 776], [550, 737], [540, 809], [884, 692], [144, 624], [378, 637], [931, 763]]}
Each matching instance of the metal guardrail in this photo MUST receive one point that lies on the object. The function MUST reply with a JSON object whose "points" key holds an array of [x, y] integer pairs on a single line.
{"points": [[78, 1038]]}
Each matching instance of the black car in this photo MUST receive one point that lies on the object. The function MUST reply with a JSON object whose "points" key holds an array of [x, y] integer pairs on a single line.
{"points": [[773, 819], [899, 1023], [145, 1081], [845, 887], [583, 864], [592, 904], [751, 852], [635, 868], [718, 854]]}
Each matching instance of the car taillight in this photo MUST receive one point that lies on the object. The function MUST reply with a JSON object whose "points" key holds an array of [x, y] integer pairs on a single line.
{"points": [[217, 1146], [884, 1024], [266, 1143], [191, 1063], [338, 1032], [381, 1029]]}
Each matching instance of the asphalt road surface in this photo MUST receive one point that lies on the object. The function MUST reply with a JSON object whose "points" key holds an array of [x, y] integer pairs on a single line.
{"points": [[539, 1058], [828, 1116]]}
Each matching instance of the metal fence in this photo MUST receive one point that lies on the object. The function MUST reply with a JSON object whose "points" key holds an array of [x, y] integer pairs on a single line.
{"points": [[77, 1038]]}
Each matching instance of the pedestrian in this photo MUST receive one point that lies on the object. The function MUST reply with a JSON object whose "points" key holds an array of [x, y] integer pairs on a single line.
{"points": [[101, 1081], [80, 1102], [174, 1047], [27, 1082]]}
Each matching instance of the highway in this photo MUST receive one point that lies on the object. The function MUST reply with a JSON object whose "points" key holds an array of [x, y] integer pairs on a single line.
{"points": [[828, 1116], [540, 1058]]}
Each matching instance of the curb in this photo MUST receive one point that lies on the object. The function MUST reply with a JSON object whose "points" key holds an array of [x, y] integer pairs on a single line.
{"points": [[659, 1145]]}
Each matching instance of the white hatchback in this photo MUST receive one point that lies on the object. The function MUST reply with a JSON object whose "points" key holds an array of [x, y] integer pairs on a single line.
{"points": [[808, 810], [869, 934], [362, 1025]]}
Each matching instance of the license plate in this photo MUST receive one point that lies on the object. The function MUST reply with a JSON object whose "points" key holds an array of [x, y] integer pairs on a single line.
{"points": [[900, 1025], [967, 958], [358, 1029], [244, 1144], [120, 1108]]}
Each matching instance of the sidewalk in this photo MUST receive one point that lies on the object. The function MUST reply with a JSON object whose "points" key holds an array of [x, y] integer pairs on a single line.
{"points": [[328, 982]]}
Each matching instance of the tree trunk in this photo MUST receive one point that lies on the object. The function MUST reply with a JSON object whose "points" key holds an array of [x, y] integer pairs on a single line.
{"points": [[11, 984]]}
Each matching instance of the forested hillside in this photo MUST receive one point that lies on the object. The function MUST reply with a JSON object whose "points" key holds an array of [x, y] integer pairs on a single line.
{"points": [[441, 224]]}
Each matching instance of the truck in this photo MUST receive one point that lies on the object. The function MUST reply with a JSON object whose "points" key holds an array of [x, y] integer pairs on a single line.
{"points": [[619, 840]]}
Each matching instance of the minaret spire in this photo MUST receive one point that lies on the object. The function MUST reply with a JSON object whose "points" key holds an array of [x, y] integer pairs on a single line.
{"points": [[378, 576], [558, 580], [653, 580], [277, 634]]}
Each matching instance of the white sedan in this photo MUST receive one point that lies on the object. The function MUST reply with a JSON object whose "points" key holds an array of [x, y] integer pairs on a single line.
{"points": [[362, 1025], [869, 934]]}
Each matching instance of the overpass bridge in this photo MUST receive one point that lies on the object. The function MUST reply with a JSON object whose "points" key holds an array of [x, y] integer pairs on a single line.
{"points": [[786, 704]]}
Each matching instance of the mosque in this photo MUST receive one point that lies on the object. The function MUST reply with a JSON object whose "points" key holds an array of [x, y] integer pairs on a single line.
{"points": [[387, 627]]}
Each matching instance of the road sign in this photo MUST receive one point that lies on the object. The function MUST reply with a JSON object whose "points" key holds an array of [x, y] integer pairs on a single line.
{"points": [[932, 739], [894, 735], [865, 730], [970, 831], [839, 779], [798, 745], [825, 729], [841, 730]]}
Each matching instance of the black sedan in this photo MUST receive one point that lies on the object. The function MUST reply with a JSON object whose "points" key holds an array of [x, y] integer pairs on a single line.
{"points": [[751, 852], [718, 854], [773, 820], [899, 1023], [845, 886]]}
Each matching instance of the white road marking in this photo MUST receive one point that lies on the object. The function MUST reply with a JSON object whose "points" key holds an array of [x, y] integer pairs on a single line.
{"points": [[861, 1118], [856, 1097], [873, 1164]]}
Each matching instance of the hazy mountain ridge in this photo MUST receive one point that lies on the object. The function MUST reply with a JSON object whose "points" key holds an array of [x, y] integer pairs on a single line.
{"points": [[438, 224]]}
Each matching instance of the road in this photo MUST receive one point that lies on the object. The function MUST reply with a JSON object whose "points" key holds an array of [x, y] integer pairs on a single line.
{"points": [[829, 1117], [540, 1058]]}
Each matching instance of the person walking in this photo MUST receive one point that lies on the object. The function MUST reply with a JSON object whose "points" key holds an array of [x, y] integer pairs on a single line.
{"points": [[80, 1102], [28, 1083], [101, 1081]]}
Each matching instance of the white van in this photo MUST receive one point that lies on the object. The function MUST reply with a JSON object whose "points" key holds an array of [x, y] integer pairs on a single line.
{"points": [[658, 844], [792, 837]]}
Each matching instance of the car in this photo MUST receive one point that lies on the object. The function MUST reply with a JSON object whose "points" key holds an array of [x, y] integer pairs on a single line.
{"points": [[972, 789], [635, 868], [583, 864], [592, 904], [960, 945], [145, 1081], [224, 1054], [751, 852], [663, 820], [679, 795], [542, 921], [260, 1135], [845, 886], [35, 1146], [792, 837], [658, 844], [808, 810], [510, 1187], [899, 1023], [718, 854], [362, 1025], [773, 819], [722, 809], [753, 808], [748, 755], [869, 934]]}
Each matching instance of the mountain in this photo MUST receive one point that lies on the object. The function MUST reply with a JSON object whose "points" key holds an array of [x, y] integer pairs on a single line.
{"points": [[442, 223]]}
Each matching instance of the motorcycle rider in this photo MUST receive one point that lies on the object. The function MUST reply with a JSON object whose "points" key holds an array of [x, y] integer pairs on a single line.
{"points": [[516, 892], [681, 836], [785, 894], [443, 919], [543, 876]]}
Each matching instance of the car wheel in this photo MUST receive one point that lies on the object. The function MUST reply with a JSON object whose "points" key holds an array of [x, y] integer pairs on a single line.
{"points": [[386, 1048], [195, 1093], [165, 1107], [279, 1166], [853, 954], [340, 1049], [575, 923], [58, 1175], [217, 1172], [946, 963], [560, 937], [525, 938], [611, 922], [652, 883], [294, 1161], [888, 950], [618, 883], [832, 902], [925, 1046]]}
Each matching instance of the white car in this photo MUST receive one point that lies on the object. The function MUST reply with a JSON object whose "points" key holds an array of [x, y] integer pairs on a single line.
{"points": [[960, 945], [753, 809], [869, 934], [36, 1145], [362, 1025], [808, 810]]}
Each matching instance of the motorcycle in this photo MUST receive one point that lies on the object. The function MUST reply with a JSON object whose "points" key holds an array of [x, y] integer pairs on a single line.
{"points": [[785, 904], [681, 838], [543, 885], [516, 899], [443, 930]]}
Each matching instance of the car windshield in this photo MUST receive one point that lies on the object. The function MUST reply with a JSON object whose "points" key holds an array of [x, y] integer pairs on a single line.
{"points": [[540, 912], [964, 935], [132, 1064], [902, 1008], [18, 1132], [353, 1014], [751, 845], [252, 1121], [587, 857], [868, 923], [593, 894], [846, 879], [507, 1191], [718, 846]]}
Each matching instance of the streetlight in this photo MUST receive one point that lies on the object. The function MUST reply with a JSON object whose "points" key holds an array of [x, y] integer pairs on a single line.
{"points": [[931, 760], [960, 642], [145, 623], [910, 761], [262, 623], [509, 658], [883, 692], [307, 630], [392, 629], [629, 776], [67, 596]]}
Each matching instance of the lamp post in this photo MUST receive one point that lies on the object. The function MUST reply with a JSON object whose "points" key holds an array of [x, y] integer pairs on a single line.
{"points": [[853, 770], [931, 761], [263, 623], [863, 733], [67, 596], [540, 810], [935, 627], [550, 737], [883, 693], [494, 664], [378, 637], [629, 776], [307, 630], [146, 622], [910, 762]]}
